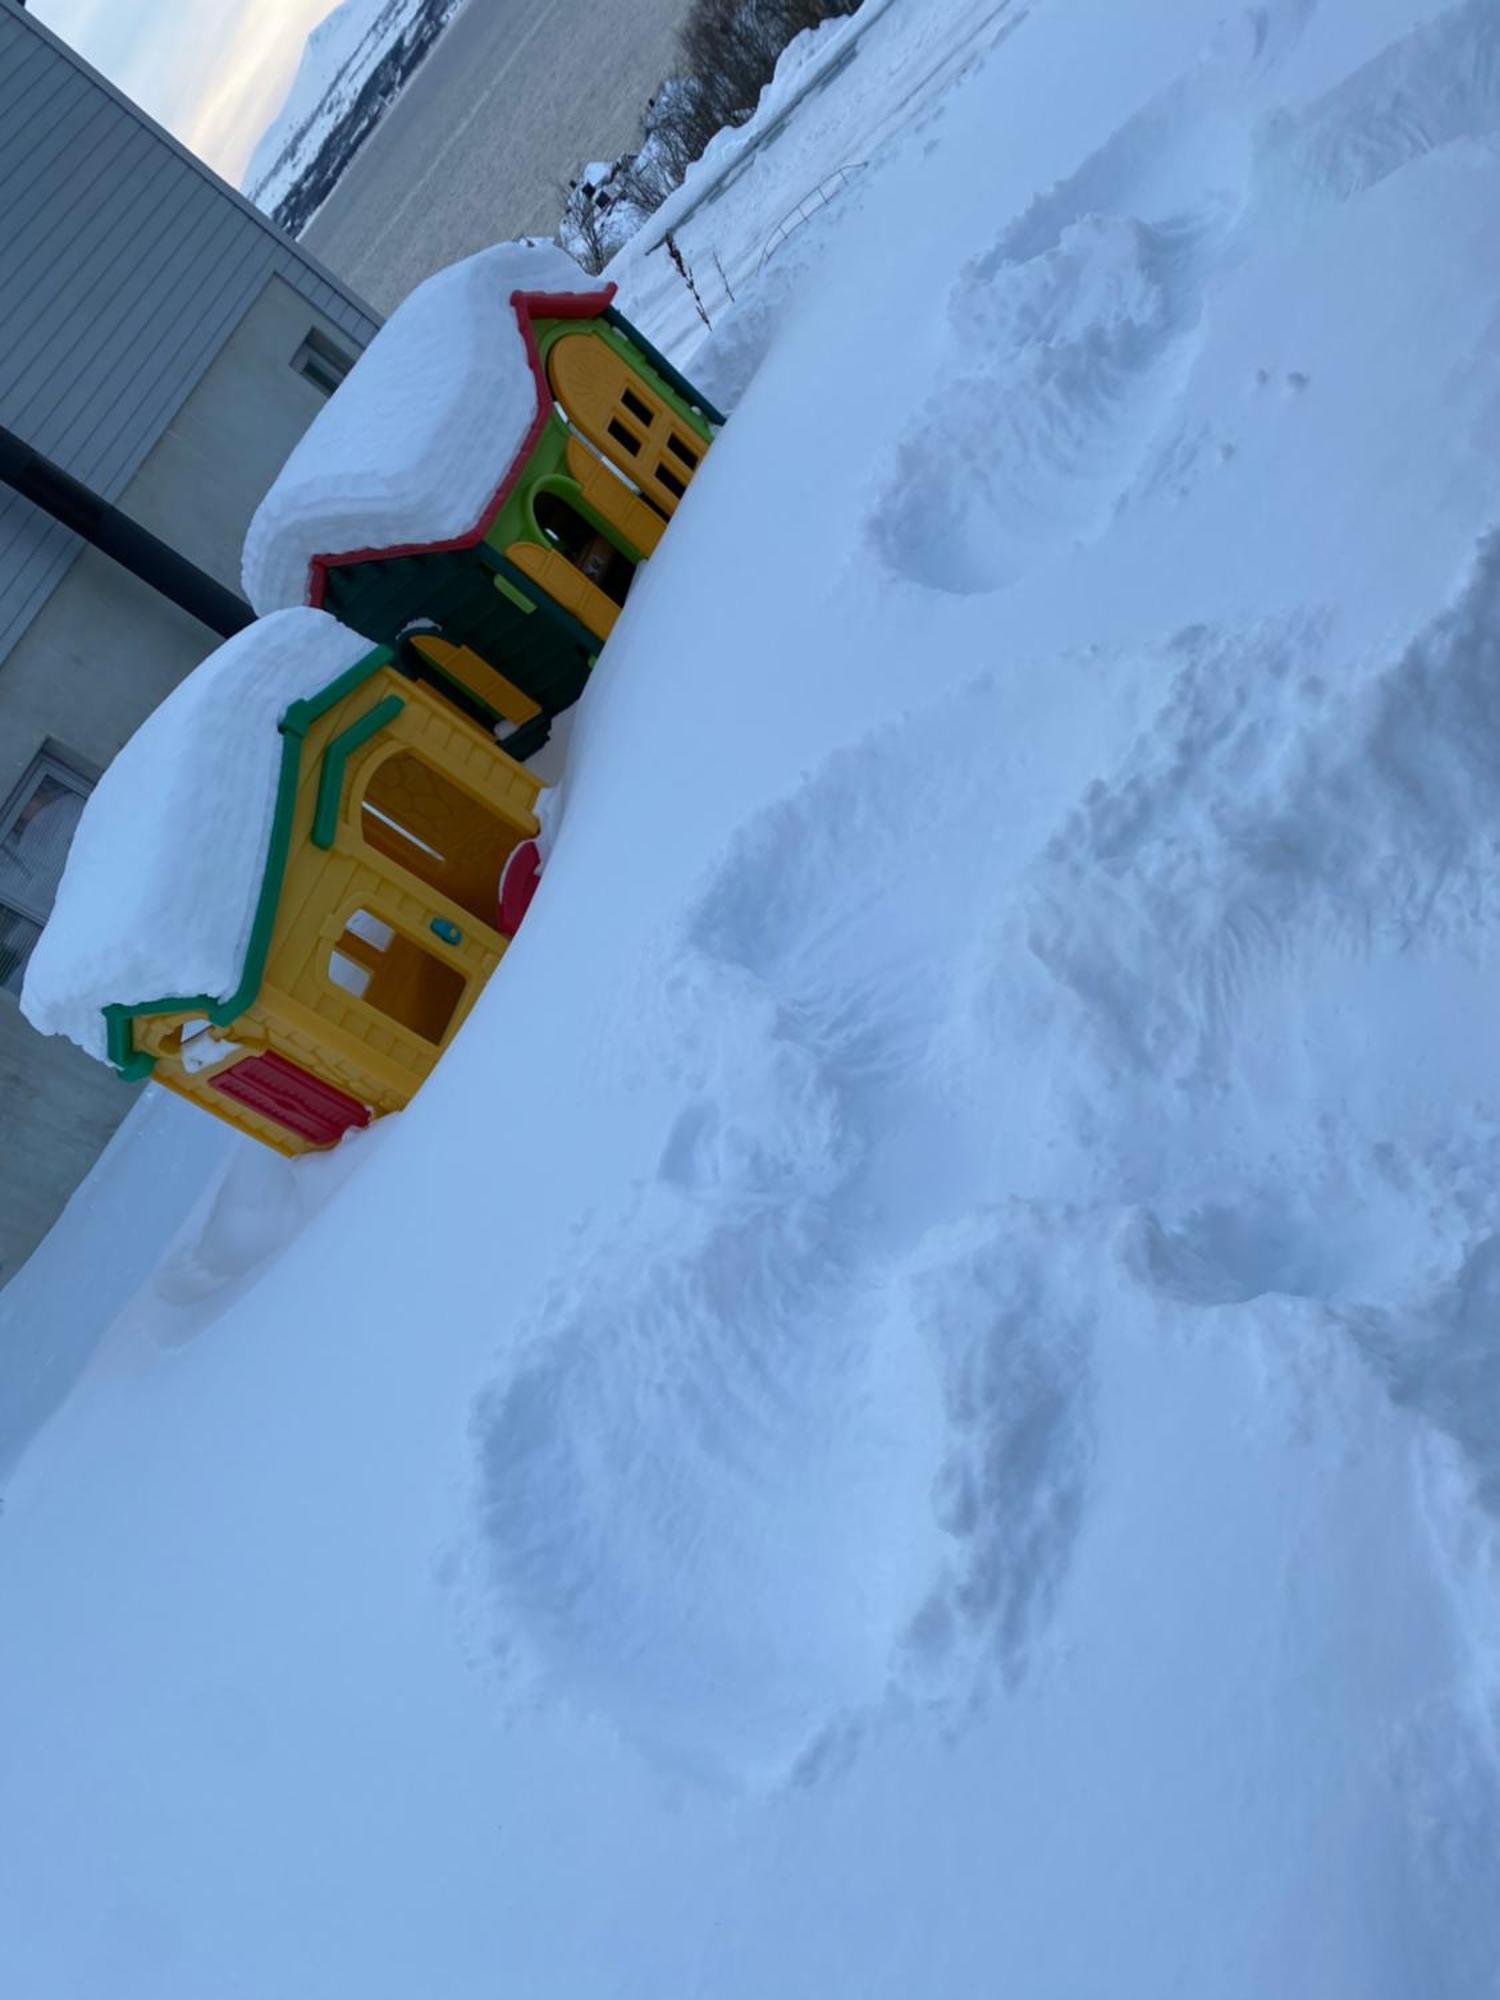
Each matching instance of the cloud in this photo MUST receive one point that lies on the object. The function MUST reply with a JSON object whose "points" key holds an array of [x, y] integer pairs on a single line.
{"points": [[249, 86], [214, 72]]}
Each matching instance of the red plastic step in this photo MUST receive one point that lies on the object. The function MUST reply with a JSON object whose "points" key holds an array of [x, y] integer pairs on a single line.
{"points": [[292, 1097]]}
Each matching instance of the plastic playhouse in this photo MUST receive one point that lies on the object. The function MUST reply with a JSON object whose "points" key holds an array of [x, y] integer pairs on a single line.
{"points": [[509, 451], [290, 886]]}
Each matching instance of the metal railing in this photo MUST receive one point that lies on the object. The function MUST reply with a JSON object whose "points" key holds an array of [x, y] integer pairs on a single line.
{"points": [[828, 189]]}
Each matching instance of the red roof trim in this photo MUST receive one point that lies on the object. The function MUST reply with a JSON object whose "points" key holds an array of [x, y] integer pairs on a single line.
{"points": [[527, 305]]}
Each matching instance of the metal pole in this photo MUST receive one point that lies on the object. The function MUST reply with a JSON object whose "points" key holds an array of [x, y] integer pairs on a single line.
{"points": [[67, 500]]}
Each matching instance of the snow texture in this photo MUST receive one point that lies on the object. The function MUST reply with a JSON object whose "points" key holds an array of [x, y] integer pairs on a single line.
{"points": [[412, 445], [914, 1407], [617, 219], [165, 870]]}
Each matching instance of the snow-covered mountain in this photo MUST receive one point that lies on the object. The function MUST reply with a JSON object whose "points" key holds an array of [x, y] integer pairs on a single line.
{"points": [[353, 67]]}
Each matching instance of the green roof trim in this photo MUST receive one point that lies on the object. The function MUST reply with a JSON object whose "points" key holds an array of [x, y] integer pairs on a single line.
{"points": [[134, 1064], [335, 762]]}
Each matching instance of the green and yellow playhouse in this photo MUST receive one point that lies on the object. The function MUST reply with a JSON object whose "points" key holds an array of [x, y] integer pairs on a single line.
{"points": [[289, 888], [492, 472]]}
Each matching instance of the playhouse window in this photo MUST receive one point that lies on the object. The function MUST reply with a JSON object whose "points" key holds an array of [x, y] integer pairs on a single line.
{"points": [[411, 986], [416, 817], [634, 407], [36, 831], [348, 975], [623, 436], [676, 446]]}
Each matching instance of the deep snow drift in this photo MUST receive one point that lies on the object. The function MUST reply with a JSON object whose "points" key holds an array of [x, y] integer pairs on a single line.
{"points": [[914, 1408]]}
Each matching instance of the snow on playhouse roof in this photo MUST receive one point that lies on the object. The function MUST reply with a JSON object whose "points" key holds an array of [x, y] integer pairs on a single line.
{"points": [[164, 873], [415, 447]]}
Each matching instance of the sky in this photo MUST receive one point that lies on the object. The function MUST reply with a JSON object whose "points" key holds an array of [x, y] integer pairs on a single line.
{"points": [[214, 72]]}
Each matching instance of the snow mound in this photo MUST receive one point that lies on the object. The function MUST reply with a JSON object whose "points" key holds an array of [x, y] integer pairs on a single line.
{"points": [[165, 869], [807, 1438], [1058, 372], [787, 1383], [1069, 345], [1432, 88], [411, 447]]}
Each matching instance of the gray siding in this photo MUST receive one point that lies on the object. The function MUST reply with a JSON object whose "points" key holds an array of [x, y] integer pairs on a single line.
{"points": [[125, 264]]}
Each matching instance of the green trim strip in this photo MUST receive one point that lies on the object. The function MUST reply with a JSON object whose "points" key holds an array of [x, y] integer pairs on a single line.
{"points": [[336, 760], [510, 581], [507, 589], [664, 367], [136, 1064]]}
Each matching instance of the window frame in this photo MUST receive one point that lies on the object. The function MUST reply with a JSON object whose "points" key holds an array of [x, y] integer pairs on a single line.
{"points": [[318, 356], [49, 762]]}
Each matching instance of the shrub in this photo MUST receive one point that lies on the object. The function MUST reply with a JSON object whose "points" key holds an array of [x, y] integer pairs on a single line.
{"points": [[729, 52]]}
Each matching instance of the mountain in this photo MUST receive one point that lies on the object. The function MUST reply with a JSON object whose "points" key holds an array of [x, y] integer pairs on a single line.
{"points": [[354, 66]]}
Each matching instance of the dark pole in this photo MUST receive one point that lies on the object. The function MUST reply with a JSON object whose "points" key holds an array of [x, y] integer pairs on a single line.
{"points": [[57, 493]]}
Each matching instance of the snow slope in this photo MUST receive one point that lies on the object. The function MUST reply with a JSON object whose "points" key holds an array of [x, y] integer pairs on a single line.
{"points": [[913, 1409]]}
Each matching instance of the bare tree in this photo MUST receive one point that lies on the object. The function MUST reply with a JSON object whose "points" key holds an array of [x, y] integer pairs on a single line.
{"points": [[729, 54], [582, 227]]}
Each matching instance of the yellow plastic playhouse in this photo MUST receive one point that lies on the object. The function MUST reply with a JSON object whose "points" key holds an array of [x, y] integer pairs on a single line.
{"points": [[377, 924], [289, 888]]}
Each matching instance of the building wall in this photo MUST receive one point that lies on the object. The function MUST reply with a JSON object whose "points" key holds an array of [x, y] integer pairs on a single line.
{"points": [[148, 323], [127, 264], [104, 648], [98, 656]]}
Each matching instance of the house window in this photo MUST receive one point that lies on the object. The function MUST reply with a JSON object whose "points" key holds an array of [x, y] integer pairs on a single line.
{"points": [[322, 361], [36, 831]]}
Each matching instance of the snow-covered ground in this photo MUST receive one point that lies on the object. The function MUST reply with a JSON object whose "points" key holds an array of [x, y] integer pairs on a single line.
{"points": [[915, 1408]]}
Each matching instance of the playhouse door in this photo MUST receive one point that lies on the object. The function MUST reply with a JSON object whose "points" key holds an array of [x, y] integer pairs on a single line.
{"points": [[612, 499]]}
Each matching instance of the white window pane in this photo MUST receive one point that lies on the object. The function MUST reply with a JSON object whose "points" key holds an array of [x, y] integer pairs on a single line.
{"points": [[346, 974], [371, 929]]}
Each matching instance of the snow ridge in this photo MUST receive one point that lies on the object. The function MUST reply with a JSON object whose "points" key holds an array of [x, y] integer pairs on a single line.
{"points": [[730, 1396], [784, 1384]]}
